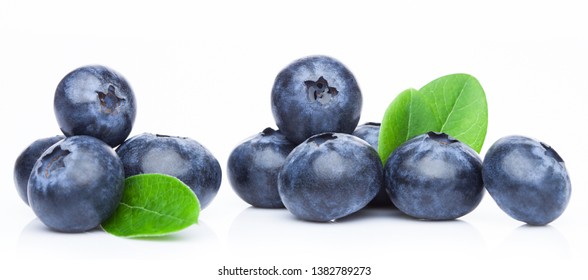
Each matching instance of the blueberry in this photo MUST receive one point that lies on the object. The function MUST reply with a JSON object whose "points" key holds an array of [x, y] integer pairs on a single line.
{"points": [[181, 157], [329, 176], [313, 95], [434, 177], [527, 179], [76, 184], [95, 101], [26, 160], [253, 168], [370, 132]]}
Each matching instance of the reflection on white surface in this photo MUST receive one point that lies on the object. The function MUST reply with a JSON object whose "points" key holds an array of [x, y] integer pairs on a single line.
{"points": [[39, 241], [534, 242], [381, 232]]}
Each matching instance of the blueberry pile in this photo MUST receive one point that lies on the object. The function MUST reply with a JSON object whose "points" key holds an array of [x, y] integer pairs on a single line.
{"points": [[322, 166], [74, 182], [312, 165]]}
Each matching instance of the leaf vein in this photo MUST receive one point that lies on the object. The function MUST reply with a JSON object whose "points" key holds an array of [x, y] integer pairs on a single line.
{"points": [[454, 104], [409, 118], [153, 212]]}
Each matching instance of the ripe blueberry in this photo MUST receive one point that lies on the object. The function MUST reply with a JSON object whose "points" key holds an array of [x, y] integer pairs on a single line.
{"points": [[314, 95], [434, 177], [76, 184], [253, 168], [95, 101], [527, 179], [329, 176]]}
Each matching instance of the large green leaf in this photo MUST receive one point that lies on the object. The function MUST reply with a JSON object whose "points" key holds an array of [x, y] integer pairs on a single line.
{"points": [[459, 104], [153, 205], [453, 104]]}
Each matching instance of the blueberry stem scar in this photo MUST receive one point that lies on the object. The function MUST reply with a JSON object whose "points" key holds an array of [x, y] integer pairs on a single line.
{"points": [[109, 101], [268, 131], [322, 138], [442, 138], [53, 160], [320, 90]]}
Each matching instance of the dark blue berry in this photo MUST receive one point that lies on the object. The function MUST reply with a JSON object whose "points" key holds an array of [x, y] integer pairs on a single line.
{"points": [[329, 176], [313, 95], [434, 177], [527, 179], [95, 101], [76, 184], [253, 168]]}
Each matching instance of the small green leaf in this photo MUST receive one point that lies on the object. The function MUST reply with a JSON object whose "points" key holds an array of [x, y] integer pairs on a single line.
{"points": [[453, 104], [407, 116], [459, 104], [153, 205]]}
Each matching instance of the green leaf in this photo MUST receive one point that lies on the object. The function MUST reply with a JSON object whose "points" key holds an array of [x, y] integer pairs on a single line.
{"points": [[153, 205], [454, 104], [459, 104], [407, 116]]}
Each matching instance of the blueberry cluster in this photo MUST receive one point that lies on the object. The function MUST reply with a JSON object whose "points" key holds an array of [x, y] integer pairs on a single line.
{"points": [[74, 182], [321, 166], [313, 165]]}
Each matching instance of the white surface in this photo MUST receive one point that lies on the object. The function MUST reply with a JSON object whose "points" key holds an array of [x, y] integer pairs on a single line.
{"points": [[205, 70]]}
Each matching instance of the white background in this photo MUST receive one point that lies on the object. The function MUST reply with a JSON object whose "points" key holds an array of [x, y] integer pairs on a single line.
{"points": [[205, 70]]}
